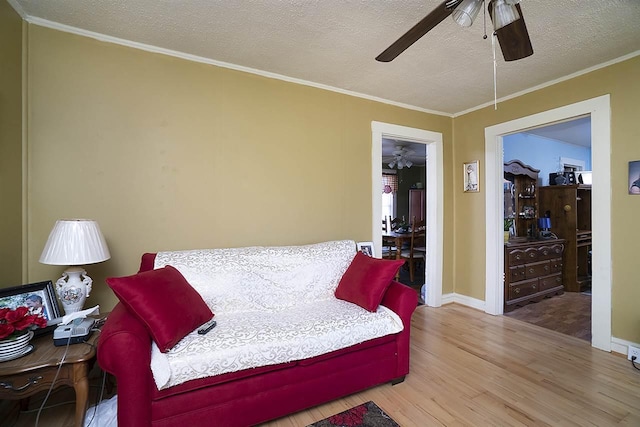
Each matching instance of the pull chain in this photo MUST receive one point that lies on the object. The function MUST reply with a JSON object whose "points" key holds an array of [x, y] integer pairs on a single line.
{"points": [[495, 66]]}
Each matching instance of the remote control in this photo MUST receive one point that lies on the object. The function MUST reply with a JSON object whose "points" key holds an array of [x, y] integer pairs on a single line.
{"points": [[207, 327]]}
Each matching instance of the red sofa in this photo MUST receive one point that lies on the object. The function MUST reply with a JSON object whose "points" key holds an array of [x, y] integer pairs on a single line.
{"points": [[251, 396]]}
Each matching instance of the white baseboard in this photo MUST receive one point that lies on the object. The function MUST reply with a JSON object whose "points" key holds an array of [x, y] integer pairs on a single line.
{"points": [[622, 346], [464, 300]]}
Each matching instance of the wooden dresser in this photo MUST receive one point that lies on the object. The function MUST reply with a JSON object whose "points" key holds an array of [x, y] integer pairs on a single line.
{"points": [[532, 271]]}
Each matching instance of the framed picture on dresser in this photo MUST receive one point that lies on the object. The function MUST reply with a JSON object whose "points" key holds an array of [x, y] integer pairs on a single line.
{"points": [[366, 248]]}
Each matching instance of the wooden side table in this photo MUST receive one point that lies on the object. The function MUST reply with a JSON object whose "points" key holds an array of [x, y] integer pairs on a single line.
{"points": [[30, 374]]}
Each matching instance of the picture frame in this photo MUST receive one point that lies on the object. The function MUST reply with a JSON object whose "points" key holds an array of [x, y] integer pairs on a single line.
{"points": [[634, 177], [43, 299], [471, 172], [366, 248]]}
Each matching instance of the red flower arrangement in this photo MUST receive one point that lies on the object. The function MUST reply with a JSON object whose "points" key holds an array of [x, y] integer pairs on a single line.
{"points": [[12, 322]]}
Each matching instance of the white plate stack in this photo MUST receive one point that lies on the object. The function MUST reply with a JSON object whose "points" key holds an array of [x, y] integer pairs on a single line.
{"points": [[13, 348]]}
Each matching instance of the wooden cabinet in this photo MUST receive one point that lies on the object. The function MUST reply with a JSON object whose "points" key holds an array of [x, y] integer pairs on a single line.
{"points": [[417, 205], [521, 197], [532, 271], [569, 207]]}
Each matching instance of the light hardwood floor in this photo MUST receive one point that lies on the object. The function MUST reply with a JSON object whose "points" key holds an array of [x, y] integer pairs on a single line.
{"points": [[472, 369]]}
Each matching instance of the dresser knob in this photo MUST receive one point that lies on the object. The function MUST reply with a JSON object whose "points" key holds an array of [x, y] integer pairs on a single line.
{"points": [[517, 290]]}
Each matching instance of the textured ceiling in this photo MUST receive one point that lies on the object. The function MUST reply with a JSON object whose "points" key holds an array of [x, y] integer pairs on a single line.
{"points": [[334, 42]]}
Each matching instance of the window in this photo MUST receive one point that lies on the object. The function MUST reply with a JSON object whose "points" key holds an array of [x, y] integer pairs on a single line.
{"points": [[389, 190]]}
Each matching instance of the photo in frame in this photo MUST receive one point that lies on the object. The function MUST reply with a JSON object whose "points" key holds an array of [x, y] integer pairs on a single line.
{"points": [[634, 177], [470, 180], [40, 297], [366, 248]]}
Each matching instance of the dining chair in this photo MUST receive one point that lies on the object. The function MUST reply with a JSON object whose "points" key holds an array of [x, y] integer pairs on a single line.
{"points": [[388, 243], [413, 255]]}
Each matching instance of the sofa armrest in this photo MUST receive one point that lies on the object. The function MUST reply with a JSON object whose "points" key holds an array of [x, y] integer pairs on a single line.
{"points": [[124, 350], [403, 301]]}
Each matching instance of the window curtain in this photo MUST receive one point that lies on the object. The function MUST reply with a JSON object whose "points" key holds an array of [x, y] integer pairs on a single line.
{"points": [[389, 183]]}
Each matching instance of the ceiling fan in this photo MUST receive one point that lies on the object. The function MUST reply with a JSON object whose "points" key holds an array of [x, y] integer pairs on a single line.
{"points": [[400, 157], [506, 15]]}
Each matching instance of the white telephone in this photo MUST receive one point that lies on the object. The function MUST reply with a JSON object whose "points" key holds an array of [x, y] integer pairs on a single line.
{"points": [[79, 330]]}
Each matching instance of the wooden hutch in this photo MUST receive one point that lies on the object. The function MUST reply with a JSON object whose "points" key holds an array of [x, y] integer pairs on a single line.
{"points": [[569, 207], [521, 197]]}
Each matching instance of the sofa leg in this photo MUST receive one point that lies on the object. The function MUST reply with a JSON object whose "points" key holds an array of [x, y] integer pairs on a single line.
{"points": [[397, 380]]}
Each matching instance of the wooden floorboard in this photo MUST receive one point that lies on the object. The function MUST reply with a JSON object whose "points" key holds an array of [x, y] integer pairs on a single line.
{"points": [[472, 369], [569, 313], [469, 368]]}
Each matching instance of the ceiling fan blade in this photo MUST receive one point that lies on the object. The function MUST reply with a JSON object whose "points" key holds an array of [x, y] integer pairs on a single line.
{"points": [[436, 16], [514, 38]]}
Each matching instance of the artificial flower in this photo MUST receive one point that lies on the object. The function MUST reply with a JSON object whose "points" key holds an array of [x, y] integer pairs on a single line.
{"points": [[14, 321]]}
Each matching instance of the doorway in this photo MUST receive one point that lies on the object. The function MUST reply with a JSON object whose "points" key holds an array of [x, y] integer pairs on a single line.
{"points": [[434, 198], [558, 152], [599, 111]]}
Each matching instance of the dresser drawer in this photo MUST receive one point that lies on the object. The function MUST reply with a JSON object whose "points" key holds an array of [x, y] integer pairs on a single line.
{"points": [[523, 289], [550, 251], [537, 269], [517, 273], [516, 257], [556, 265], [549, 282]]}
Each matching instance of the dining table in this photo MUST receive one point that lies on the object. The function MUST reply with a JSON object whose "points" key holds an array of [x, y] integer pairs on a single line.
{"points": [[400, 238]]}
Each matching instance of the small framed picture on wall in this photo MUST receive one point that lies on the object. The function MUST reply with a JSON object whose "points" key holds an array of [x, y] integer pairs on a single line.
{"points": [[634, 177], [471, 183]]}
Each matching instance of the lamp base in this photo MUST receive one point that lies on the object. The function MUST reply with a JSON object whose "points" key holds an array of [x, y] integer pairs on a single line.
{"points": [[73, 288]]}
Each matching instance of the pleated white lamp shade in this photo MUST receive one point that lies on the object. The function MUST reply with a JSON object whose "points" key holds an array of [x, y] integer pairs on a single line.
{"points": [[75, 242]]}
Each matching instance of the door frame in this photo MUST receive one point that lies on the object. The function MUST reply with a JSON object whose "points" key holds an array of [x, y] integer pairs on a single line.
{"points": [[600, 111], [434, 198]]}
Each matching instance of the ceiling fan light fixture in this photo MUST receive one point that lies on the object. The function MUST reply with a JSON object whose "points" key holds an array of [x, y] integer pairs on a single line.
{"points": [[466, 12], [504, 13], [392, 164]]}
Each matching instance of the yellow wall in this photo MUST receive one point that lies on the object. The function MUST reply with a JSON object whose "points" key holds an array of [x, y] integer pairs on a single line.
{"points": [[10, 146], [622, 82], [169, 154]]}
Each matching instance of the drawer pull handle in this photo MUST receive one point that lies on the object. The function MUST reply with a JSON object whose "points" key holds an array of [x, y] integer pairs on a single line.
{"points": [[517, 290], [30, 382], [533, 286], [546, 268]]}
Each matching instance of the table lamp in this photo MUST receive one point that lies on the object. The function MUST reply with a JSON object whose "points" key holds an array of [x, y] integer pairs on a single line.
{"points": [[74, 242], [544, 224]]}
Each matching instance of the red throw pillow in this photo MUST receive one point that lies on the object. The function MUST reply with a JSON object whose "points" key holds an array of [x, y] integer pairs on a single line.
{"points": [[366, 280], [164, 301]]}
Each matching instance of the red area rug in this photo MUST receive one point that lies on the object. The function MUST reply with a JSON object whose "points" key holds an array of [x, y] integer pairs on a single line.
{"points": [[366, 415]]}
